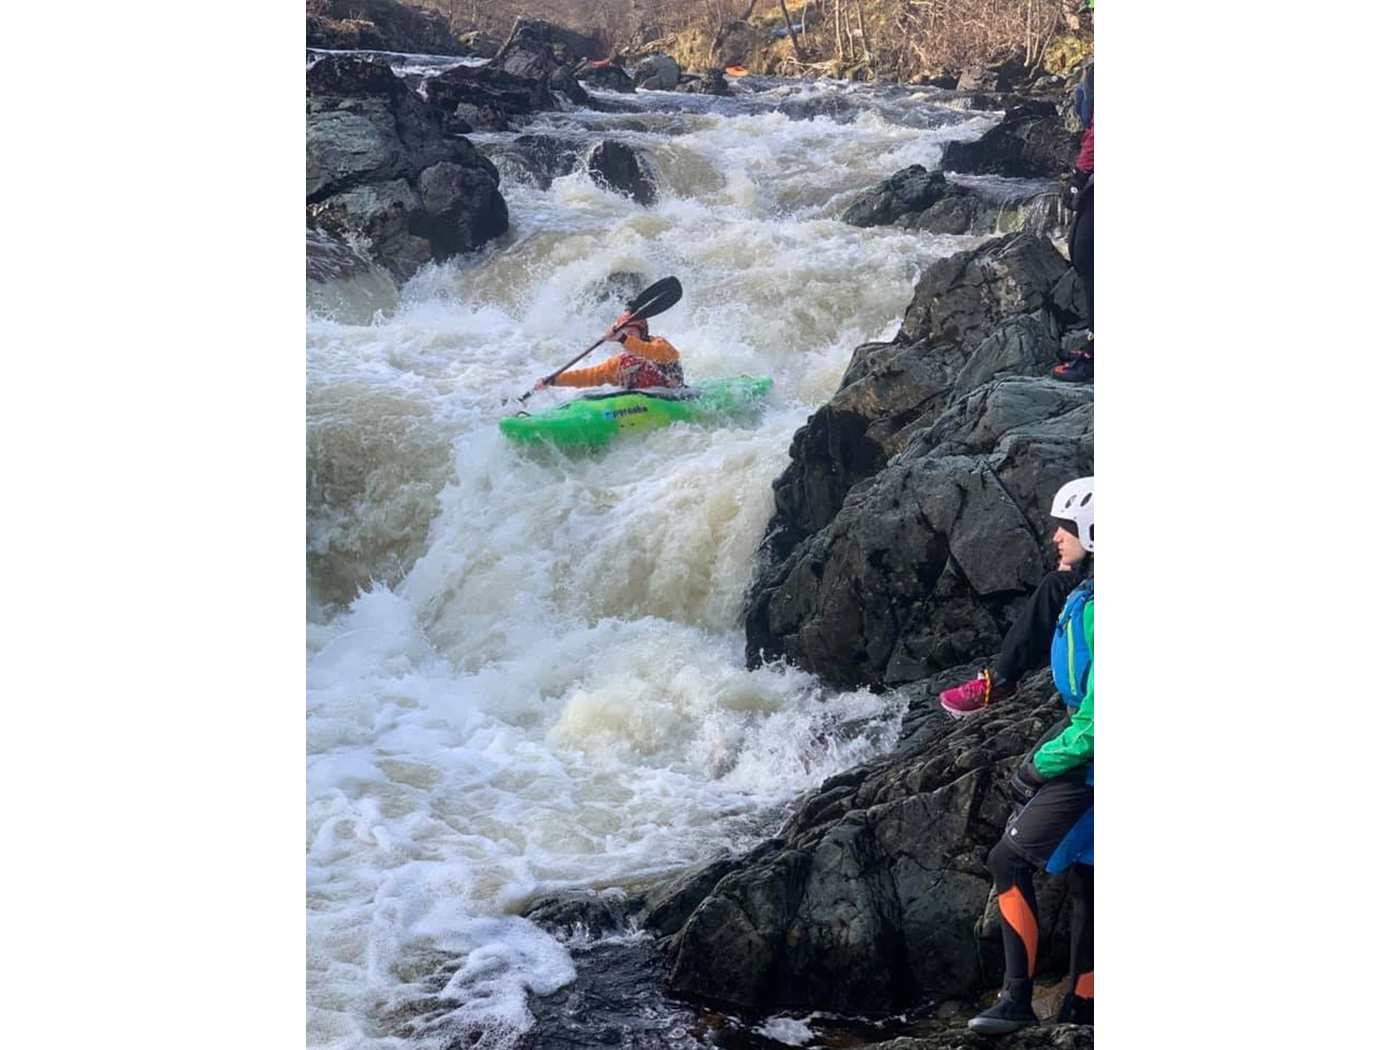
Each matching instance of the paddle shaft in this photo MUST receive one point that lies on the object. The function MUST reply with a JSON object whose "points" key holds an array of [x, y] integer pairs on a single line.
{"points": [[549, 379]]}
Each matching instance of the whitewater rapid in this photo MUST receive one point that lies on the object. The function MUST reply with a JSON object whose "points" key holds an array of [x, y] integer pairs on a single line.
{"points": [[525, 669]]}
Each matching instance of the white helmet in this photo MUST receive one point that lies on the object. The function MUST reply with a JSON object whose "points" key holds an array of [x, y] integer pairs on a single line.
{"points": [[1075, 502]]}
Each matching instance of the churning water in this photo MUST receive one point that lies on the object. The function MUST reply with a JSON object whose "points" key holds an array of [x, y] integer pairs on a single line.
{"points": [[525, 668]]}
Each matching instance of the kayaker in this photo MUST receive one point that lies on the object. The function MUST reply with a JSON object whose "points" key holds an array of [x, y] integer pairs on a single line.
{"points": [[1054, 829], [645, 361], [1026, 647]]}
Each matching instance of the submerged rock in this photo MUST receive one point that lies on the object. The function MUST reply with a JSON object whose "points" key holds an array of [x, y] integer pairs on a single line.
{"points": [[617, 166], [710, 82]]}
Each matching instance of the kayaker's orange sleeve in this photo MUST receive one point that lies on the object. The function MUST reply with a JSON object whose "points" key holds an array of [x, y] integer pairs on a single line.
{"points": [[610, 371]]}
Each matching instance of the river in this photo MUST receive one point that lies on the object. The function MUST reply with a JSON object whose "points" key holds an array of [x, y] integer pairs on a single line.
{"points": [[525, 669]]}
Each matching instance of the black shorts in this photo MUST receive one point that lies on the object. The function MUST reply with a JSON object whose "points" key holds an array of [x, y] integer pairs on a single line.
{"points": [[1044, 822]]}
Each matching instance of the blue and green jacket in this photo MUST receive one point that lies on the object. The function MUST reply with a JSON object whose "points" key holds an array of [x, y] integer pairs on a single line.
{"points": [[1072, 661]]}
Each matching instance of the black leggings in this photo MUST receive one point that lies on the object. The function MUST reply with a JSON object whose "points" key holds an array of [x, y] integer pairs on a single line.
{"points": [[1081, 247], [1020, 921], [1027, 645]]}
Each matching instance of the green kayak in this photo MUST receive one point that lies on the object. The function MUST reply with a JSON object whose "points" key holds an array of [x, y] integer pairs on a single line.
{"points": [[598, 418]]}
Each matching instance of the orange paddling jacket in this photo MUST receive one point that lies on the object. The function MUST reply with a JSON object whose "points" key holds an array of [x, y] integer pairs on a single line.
{"points": [[643, 363]]}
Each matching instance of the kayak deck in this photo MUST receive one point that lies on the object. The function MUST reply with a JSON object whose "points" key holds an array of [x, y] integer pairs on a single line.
{"points": [[596, 419]]}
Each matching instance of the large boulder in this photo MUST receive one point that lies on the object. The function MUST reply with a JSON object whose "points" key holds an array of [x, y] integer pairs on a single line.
{"points": [[485, 98], [909, 191], [922, 567], [658, 72], [538, 51], [916, 199], [381, 174], [1031, 142], [958, 303], [604, 74], [873, 895]]}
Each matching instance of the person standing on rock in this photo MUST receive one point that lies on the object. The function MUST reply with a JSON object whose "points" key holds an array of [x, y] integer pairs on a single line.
{"points": [[1054, 829], [646, 361], [1080, 197], [1027, 645]]}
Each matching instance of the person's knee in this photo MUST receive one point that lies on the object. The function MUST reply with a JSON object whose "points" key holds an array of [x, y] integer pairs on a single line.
{"points": [[1006, 864]]}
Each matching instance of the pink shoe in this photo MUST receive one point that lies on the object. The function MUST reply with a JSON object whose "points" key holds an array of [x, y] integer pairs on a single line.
{"points": [[973, 696]]}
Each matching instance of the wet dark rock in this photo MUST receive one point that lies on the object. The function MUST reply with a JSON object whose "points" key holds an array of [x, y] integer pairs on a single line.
{"points": [[911, 190], [378, 25], [1030, 142], [1046, 1037], [955, 215], [658, 72], [617, 166], [562, 81], [837, 108], [710, 82], [876, 904], [482, 98], [582, 913], [608, 75], [538, 159], [522, 78], [536, 48], [616, 1000], [381, 174], [957, 304], [328, 258], [920, 567], [967, 293]]}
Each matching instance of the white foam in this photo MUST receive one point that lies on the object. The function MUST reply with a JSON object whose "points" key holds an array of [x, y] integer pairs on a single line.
{"points": [[787, 1030]]}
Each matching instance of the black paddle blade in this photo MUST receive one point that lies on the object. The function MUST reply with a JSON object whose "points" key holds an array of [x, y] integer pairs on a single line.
{"points": [[660, 297]]}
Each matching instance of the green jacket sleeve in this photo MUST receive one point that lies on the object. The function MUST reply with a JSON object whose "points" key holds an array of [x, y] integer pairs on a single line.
{"points": [[1075, 745]]}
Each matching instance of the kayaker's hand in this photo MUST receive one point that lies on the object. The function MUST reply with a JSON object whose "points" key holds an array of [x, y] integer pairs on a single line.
{"points": [[540, 384]]}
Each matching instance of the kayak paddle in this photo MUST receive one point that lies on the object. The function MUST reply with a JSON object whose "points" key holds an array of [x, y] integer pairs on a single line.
{"points": [[651, 301]]}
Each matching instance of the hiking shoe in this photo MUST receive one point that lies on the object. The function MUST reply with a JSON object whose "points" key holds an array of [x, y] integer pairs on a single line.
{"points": [[1010, 1013], [1075, 1009], [970, 697], [1078, 369]]}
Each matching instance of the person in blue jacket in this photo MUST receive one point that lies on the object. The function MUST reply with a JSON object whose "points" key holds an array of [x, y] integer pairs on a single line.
{"points": [[1054, 829]]}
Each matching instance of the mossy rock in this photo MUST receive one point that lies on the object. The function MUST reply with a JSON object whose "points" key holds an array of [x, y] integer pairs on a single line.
{"points": [[1067, 54]]}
